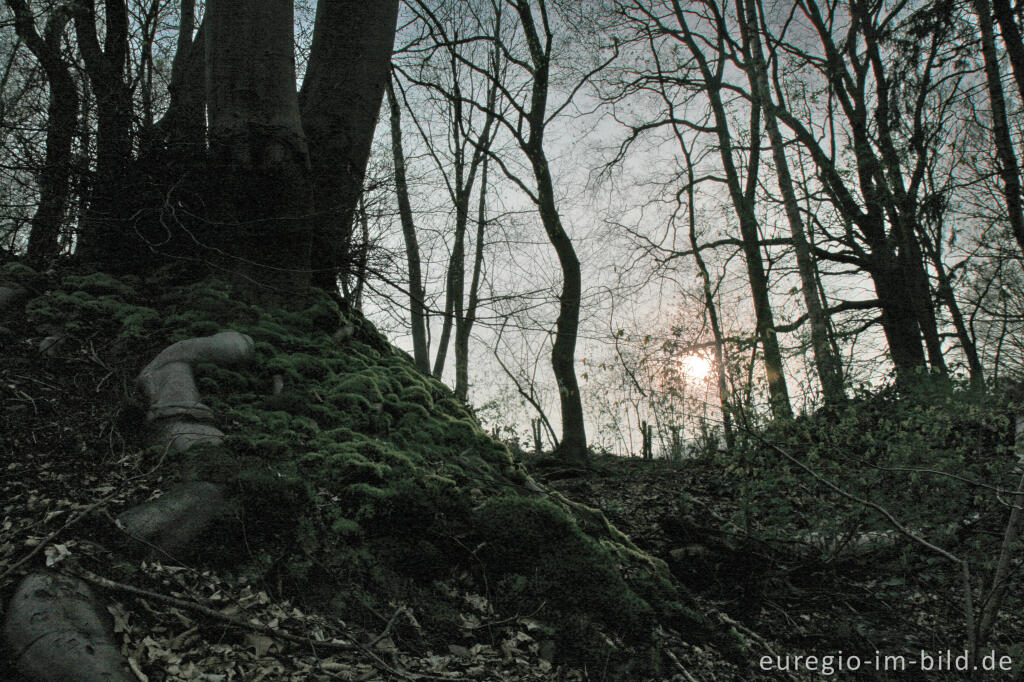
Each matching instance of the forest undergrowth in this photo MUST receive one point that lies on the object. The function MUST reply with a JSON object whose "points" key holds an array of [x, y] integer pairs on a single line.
{"points": [[382, 535]]}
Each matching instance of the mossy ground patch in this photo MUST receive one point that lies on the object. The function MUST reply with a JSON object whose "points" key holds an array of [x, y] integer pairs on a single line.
{"points": [[361, 480]]}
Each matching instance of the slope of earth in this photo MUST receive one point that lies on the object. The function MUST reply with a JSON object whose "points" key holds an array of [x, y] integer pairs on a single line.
{"points": [[378, 534], [813, 598]]}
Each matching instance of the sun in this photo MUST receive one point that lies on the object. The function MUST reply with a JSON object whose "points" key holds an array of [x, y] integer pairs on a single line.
{"points": [[695, 366]]}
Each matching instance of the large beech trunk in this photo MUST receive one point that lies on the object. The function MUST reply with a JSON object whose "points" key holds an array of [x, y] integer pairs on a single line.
{"points": [[183, 126], [260, 172], [341, 94]]}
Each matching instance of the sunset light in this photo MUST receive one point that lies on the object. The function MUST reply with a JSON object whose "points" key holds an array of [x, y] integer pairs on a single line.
{"points": [[695, 366]]}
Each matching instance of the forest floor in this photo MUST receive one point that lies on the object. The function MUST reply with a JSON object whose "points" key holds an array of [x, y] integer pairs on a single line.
{"points": [[57, 498], [805, 599]]}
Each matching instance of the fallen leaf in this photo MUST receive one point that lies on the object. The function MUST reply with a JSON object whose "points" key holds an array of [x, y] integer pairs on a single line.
{"points": [[259, 643]]}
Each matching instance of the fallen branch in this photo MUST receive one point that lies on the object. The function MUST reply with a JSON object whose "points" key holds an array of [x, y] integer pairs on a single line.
{"points": [[195, 607], [53, 536]]}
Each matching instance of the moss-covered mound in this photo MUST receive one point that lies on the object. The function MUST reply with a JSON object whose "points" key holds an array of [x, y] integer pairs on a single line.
{"points": [[362, 482]]}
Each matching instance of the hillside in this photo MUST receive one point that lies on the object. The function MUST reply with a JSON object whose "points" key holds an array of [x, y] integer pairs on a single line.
{"points": [[373, 531], [365, 505]]}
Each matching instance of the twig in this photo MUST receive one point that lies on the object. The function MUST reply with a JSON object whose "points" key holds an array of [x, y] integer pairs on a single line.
{"points": [[196, 607], [861, 501], [1000, 579], [81, 515], [387, 628], [108, 584], [53, 536], [964, 567], [679, 666]]}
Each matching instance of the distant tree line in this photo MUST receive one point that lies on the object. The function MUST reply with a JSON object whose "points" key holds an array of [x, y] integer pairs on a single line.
{"points": [[867, 153]]}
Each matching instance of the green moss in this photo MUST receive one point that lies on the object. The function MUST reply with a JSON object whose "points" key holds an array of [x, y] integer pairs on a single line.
{"points": [[544, 562], [366, 480], [99, 283], [346, 528], [17, 273], [365, 384], [416, 394], [289, 495]]}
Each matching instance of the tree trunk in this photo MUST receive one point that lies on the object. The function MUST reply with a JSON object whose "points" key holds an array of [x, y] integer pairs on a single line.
{"points": [[465, 179], [183, 126], [104, 237], [417, 318], [743, 204], [563, 352], [948, 297], [345, 79], [260, 164], [1007, 166], [573, 445], [827, 365], [1012, 38], [463, 330], [721, 368], [899, 319], [911, 261], [62, 115]]}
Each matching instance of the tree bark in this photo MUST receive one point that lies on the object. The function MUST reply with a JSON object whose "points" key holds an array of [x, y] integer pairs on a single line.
{"points": [[260, 163], [62, 115], [103, 238], [1012, 38], [345, 79], [899, 318], [183, 126], [417, 317], [827, 365], [1007, 167]]}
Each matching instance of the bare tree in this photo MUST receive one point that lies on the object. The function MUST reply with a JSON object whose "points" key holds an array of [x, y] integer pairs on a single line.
{"points": [[827, 364], [102, 236], [709, 57], [62, 113], [1007, 165], [417, 311]]}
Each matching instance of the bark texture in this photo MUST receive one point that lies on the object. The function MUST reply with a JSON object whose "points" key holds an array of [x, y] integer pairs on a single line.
{"points": [[260, 163], [104, 230], [62, 114], [345, 79], [57, 630], [417, 311]]}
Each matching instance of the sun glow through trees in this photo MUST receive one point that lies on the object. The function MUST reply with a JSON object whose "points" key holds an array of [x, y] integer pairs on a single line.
{"points": [[695, 366]]}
